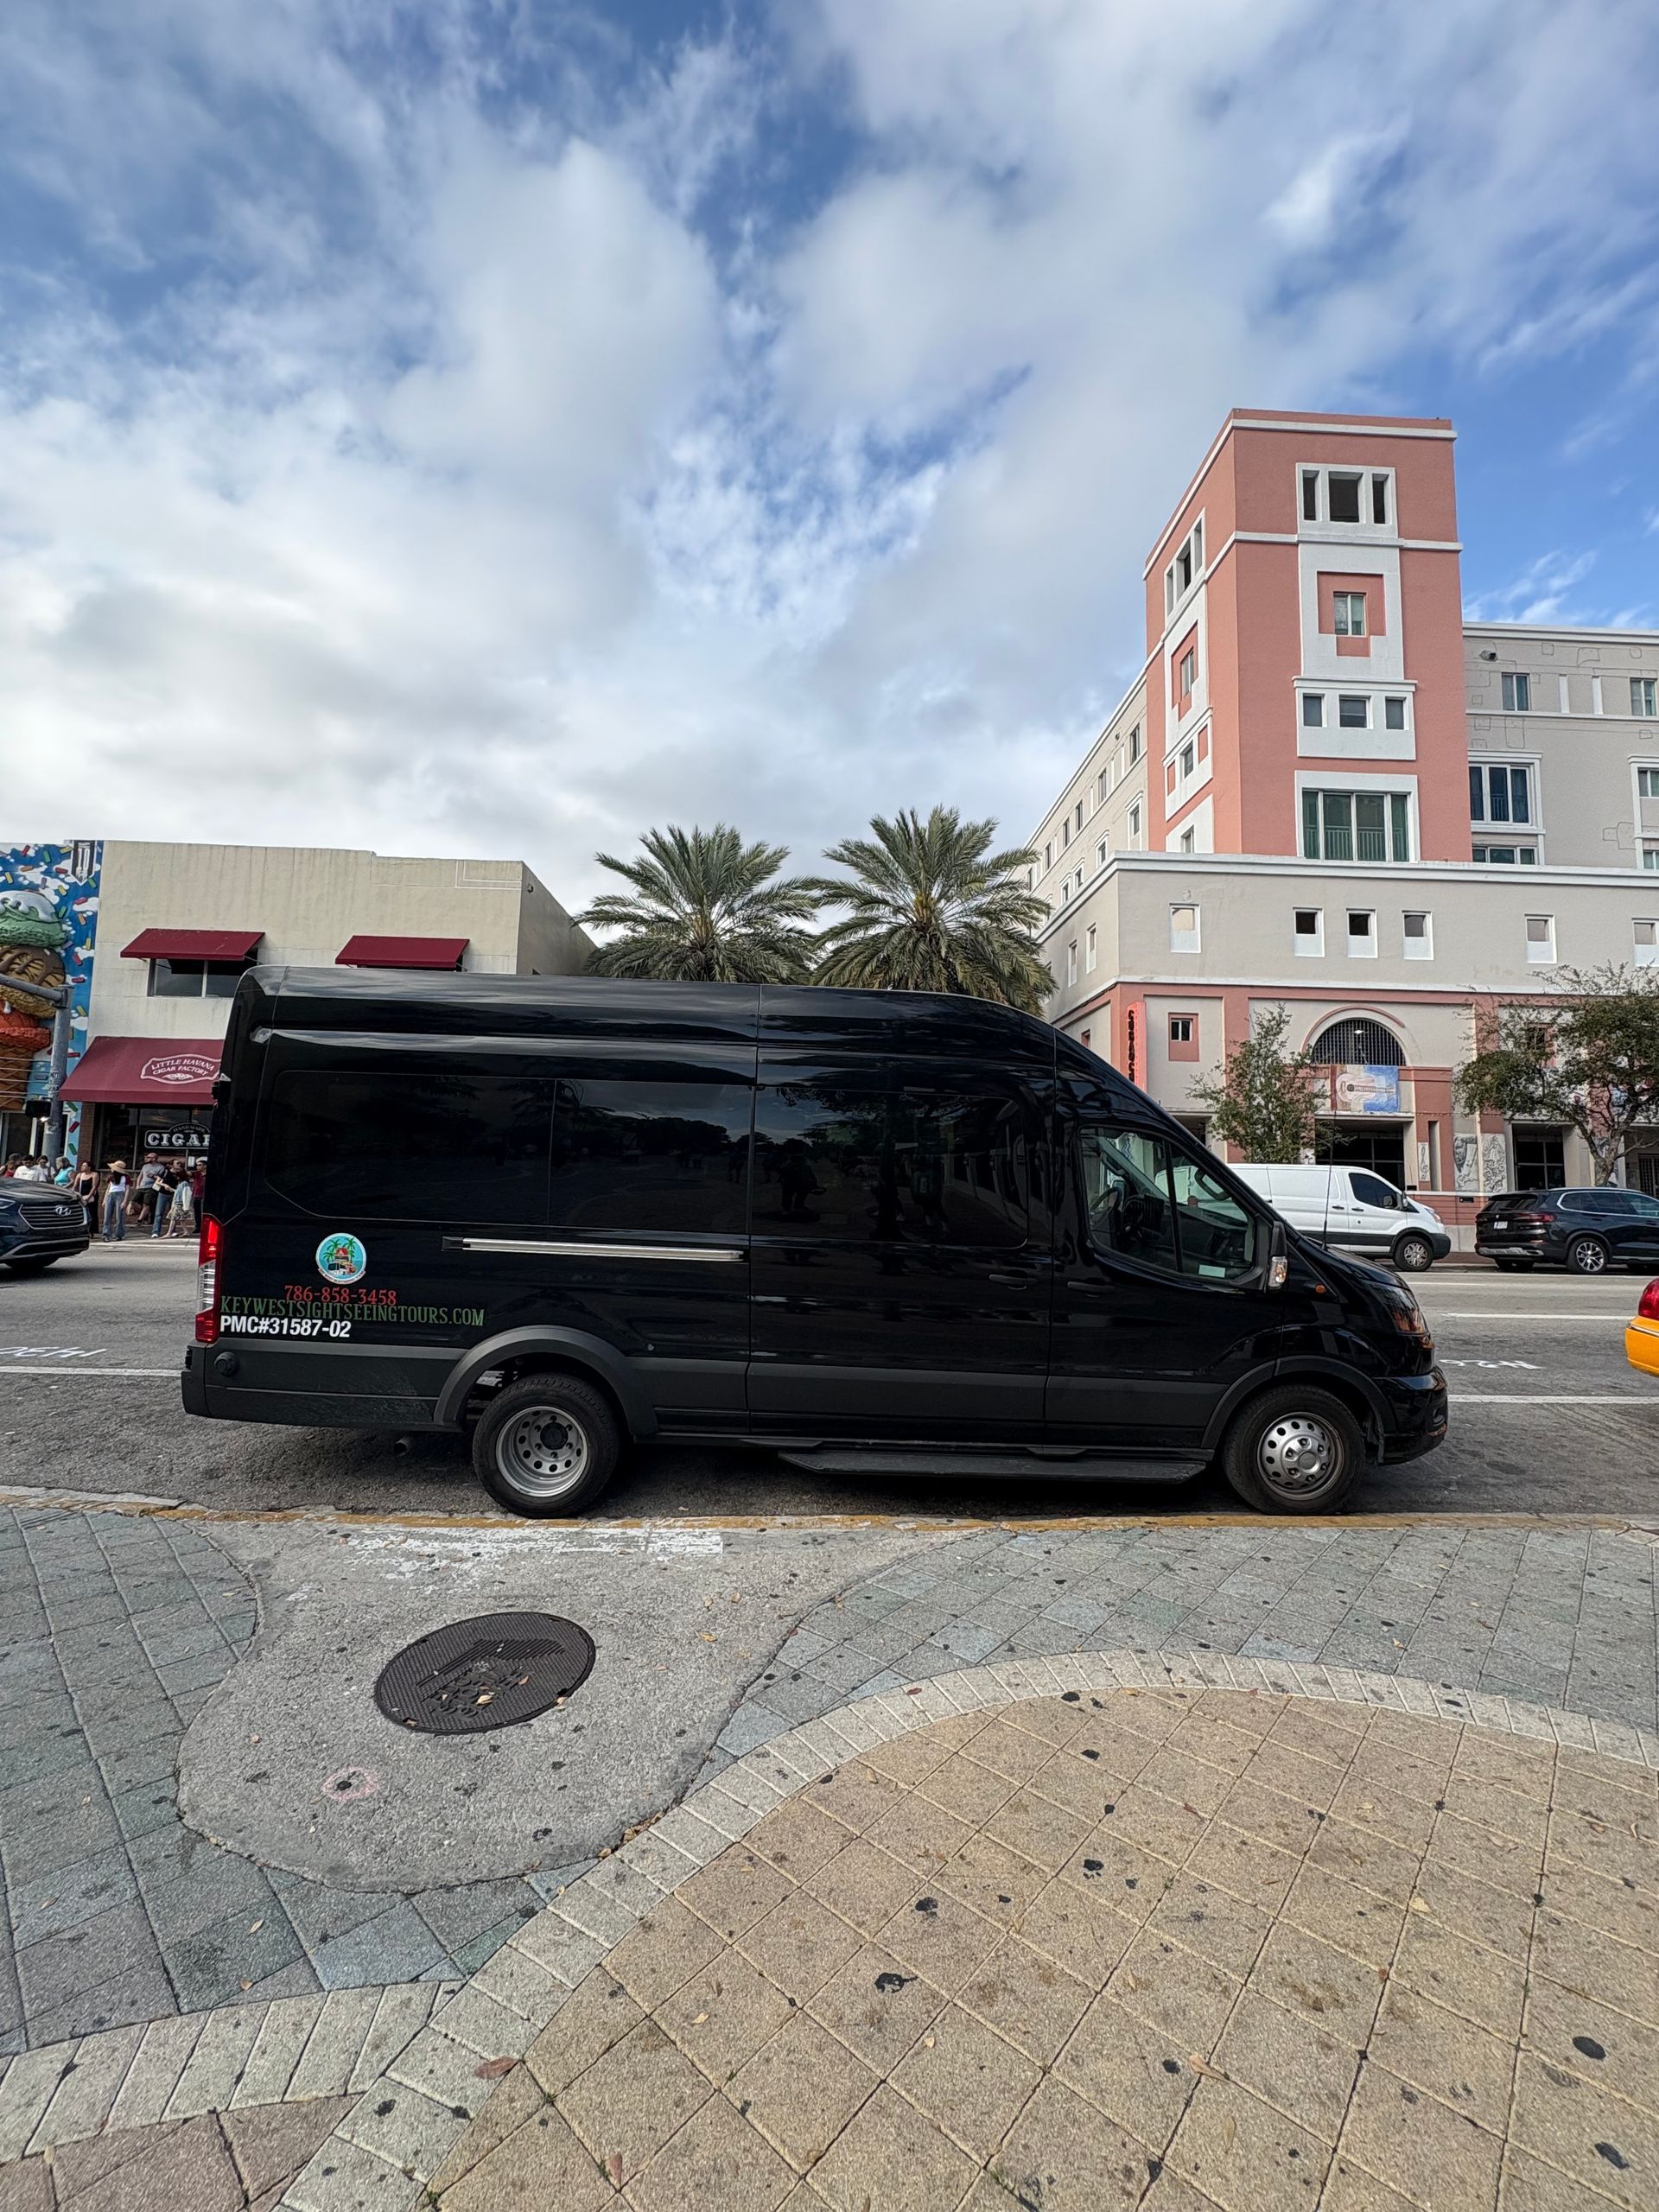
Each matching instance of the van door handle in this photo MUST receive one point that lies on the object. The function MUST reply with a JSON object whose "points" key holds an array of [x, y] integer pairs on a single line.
{"points": [[1015, 1276]]}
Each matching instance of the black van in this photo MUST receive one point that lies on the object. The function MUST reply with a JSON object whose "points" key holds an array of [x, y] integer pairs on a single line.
{"points": [[925, 1232]]}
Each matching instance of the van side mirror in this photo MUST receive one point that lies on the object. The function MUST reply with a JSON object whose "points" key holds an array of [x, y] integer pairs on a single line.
{"points": [[1278, 1256]]}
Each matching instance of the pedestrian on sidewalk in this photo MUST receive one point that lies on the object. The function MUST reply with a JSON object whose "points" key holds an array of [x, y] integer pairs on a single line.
{"points": [[64, 1173], [116, 1192], [143, 1194], [33, 1170], [180, 1220], [161, 1198]]}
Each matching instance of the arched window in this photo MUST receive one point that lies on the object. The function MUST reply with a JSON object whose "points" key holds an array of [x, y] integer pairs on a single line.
{"points": [[1357, 1041]]}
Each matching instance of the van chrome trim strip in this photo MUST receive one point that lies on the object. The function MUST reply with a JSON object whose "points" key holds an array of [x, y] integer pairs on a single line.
{"points": [[592, 1251]]}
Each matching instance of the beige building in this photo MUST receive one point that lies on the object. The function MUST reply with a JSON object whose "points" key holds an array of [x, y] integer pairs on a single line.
{"points": [[176, 925], [1328, 792]]}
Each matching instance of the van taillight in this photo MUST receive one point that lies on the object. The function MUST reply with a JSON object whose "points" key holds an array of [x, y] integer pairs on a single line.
{"points": [[207, 1256], [1649, 1309]]}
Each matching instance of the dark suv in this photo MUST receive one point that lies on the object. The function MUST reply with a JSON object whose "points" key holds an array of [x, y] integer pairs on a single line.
{"points": [[1587, 1231], [39, 1224]]}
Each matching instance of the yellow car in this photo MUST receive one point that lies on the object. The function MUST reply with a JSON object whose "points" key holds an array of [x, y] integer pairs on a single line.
{"points": [[1642, 1332]]}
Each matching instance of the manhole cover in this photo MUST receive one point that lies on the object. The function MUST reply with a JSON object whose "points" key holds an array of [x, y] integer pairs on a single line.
{"points": [[488, 1673]]}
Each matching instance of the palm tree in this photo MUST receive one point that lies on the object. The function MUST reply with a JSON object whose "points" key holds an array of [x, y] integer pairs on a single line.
{"points": [[933, 909], [705, 910]]}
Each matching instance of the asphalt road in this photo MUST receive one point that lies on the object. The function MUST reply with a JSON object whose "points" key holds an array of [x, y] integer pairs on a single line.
{"points": [[1547, 1418]]}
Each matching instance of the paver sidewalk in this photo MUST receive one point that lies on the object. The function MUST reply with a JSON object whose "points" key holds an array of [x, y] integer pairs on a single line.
{"points": [[1174, 1951]]}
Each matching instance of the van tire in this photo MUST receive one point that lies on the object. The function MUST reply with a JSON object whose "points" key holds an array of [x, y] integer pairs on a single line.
{"points": [[1412, 1254], [546, 1447], [1292, 1421]]}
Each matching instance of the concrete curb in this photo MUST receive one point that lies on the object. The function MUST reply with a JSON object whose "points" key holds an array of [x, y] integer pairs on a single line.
{"points": [[404, 2125]]}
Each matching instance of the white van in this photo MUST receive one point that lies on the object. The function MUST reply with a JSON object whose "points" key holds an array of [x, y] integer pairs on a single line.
{"points": [[1353, 1210]]}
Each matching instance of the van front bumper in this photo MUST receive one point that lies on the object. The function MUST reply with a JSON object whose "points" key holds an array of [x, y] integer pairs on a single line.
{"points": [[1414, 1415]]}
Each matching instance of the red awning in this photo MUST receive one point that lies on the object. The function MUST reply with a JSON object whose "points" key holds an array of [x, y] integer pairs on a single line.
{"points": [[402, 952], [144, 1071], [193, 944]]}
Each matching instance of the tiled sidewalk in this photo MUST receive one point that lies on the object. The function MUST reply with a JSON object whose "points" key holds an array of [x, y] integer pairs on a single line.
{"points": [[117, 1628], [1176, 1951], [1563, 1617]]}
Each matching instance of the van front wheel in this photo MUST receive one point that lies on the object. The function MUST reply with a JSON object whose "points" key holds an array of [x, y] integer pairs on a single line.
{"points": [[1294, 1450], [1412, 1254], [546, 1445]]}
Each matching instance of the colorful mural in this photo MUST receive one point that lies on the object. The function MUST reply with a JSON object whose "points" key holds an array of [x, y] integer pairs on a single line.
{"points": [[48, 925]]}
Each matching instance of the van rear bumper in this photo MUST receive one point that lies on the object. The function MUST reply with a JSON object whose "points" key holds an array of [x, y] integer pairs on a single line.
{"points": [[270, 1383], [1414, 1415]]}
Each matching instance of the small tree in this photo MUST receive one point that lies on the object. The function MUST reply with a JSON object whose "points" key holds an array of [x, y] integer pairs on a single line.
{"points": [[1589, 1058], [1263, 1099]]}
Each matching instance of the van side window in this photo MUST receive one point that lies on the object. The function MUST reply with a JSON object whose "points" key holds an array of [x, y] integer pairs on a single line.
{"points": [[410, 1143], [1149, 1202], [1372, 1190], [921, 1163], [641, 1154]]}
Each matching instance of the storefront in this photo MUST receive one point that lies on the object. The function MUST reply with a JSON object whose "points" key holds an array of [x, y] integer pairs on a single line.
{"points": [[145, 1094]]}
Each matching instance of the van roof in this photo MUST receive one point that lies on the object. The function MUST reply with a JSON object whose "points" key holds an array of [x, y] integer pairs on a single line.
{"points": [[807, 1017]]}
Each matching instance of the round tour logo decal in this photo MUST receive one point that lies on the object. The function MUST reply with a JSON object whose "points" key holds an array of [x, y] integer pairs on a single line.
{"points": [[341, 1258]]}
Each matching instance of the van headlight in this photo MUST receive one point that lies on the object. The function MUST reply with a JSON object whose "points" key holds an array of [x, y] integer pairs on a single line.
{"points": [[1407, 1316]]}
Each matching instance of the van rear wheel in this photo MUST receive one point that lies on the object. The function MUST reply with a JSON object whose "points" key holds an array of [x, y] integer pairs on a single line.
{"points": [[1294, 1450], [546, 1445]]}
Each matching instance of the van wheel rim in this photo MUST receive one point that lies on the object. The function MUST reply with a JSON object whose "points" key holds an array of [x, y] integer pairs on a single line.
{"points": [[543, 1452], [1298, 1453], [1414, 1255]]}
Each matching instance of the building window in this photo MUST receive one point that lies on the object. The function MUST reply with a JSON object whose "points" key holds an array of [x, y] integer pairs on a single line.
{"points": [[1356, 1041], [1189, 760], [1184, 928], [195, 979], [1310, 495], [1189, 841], [1071, 962], [1499, 792], [1647, 783], [1135, 829], [1646, 936], [1090, 947], [1188, 675], [1356, 825], [1418, 932], [1180, 1028], [1379, 499], [1312, 710], [1352, 710], [1539, 1159], [1394, 713], [1135, 745], [1362, 933], [1517, 693], [1540, 939], [1348, 614], [1650, 856], [1642, 699], [1310, 931], [1506, 856], [1048, 856], [1342, 496]]}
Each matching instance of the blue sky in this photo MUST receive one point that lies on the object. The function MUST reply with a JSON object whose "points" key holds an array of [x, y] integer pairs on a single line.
{"points": [[493, 425]]}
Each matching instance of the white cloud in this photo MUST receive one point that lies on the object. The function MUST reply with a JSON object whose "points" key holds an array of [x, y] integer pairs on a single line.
{"points": [[448, 436]]}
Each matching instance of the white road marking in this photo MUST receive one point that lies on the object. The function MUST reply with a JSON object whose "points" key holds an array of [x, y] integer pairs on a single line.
{"points": [[48, 1352], [1463, 1315], [476, 1557], [1530, 1364], [171, 1373], [1549, 1398]]}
